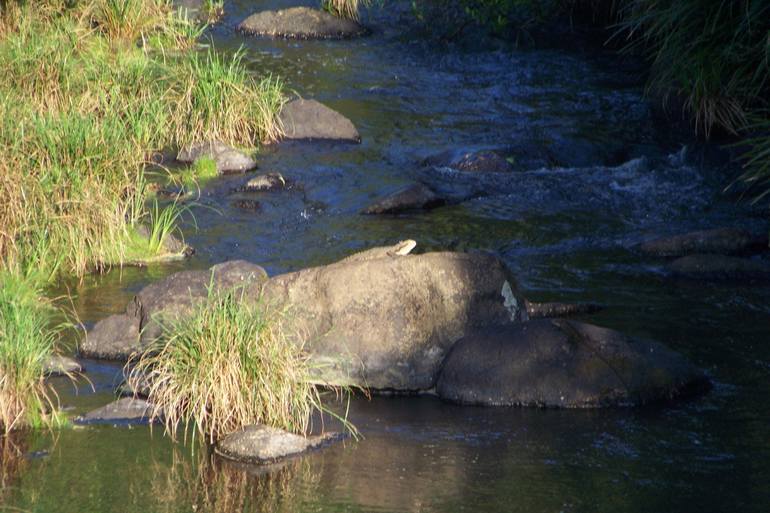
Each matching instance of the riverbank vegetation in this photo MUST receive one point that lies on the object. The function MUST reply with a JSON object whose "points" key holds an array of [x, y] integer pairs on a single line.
{"points": [[709, 60], [227, 366], [90, 90], [344, 8]]}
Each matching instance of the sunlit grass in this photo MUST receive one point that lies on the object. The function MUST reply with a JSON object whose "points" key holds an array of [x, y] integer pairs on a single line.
{"points": [[230, 365], [345, 8]]}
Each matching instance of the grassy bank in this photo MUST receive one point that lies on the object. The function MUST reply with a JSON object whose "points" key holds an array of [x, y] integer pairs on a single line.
{"points": [[708, 59], [89, 91]]}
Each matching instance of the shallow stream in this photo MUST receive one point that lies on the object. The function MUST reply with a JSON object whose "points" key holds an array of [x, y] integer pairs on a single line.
{"points": [[567, 233]]}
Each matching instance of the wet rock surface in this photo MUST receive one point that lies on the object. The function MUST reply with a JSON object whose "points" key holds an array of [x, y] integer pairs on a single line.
{"points": [[566, 364], [411, 197], [227, 159], [310, 120], [126, 411], [264, 182], [385, 321], [259, 444], [300, 23], [720, 267], [249, 205], [721, 241], [545, 310]]}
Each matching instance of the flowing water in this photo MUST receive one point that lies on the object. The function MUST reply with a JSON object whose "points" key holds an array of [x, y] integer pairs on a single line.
{"points": [[565, 232]]}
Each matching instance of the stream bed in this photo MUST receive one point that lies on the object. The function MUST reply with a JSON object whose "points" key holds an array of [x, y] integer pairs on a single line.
{"points": [[567, 233]]}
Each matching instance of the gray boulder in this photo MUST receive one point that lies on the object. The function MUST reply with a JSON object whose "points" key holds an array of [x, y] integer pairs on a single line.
{"points": [[385, 319], [411, 197], [263, 445], [310, 120], [722, 241], [566, 364], [113, 338], [126, 410], [228, 160], [719, 267], [300, 23]]}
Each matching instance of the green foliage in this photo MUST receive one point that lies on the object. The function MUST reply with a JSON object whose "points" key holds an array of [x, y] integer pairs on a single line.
{"points": [[81, 110], [230, 365], [26, 341]]}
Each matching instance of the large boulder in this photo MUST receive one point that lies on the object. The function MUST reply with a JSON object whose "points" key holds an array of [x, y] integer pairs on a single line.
{"points": [[310, 120], [385, 319], [560, 363], [722, 241], [125, 411], [262, 445], [300, 23]]}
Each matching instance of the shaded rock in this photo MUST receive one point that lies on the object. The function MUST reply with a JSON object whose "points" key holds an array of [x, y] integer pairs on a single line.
{"points": [[544, 310], [412, 197], [57, 365], [311, 120], [722, 241], [300, 23], [559, 363], [386, 321], [720, 267], [113, 338], [141, 386], [248, 204], [125, 410], [228, 160], [262, 445], [175, 296]]}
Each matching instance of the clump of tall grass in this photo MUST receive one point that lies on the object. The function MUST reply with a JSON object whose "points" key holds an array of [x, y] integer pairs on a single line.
{"points": [[231, 364], [81, 114], [26, 341], [344, 8]]}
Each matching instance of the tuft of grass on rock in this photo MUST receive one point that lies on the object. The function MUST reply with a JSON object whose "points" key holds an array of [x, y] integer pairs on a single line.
{"points": [[344, 8], [230, 365]]}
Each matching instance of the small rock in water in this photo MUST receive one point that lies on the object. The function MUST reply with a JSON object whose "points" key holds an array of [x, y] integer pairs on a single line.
{"points": [[127, 410], [228, 159], [300, 23], [262, 445], [248, 204], [57, 365], [113, 338], [720, 267], [412, 197], [265, 182], [484, 161], [310, 120], [721, 241]]}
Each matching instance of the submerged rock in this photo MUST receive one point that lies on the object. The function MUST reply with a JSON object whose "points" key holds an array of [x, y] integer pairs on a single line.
{"points": [[411, 197], [720, 267], [310, 120], [722, 241], [113, 338], [57, 365], [545, 310], [483, 161], [227, 159], [385, 319], [125, 410], [567, 364], [248, 204], [262, 445], [300, 23]]}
